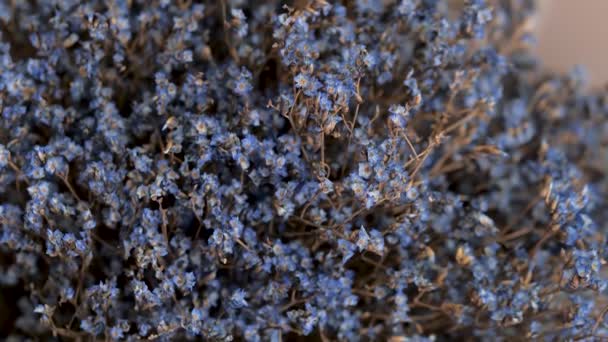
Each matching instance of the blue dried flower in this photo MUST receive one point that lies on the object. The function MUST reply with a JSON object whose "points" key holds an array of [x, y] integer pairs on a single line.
{"points": [[207, 172]]}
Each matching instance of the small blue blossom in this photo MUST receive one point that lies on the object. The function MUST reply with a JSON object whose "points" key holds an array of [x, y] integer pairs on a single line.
{"points": [[4, 156], [242, 85], [237, 300], [246, 170], [363, 239], [398, 116]]}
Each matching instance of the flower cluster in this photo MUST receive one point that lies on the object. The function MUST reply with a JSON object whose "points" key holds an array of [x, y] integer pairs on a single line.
{"points": [[262, 170]]}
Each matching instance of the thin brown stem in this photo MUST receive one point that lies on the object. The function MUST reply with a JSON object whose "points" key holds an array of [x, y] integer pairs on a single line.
{"points": [[70, 188], [599, 319], [409, 143]]}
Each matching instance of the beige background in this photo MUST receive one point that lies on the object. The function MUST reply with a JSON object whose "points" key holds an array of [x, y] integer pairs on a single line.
{"points": [[574, 32]]}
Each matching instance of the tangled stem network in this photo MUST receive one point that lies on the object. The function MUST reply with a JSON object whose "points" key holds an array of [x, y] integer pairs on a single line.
{"points": [[399, 170]]}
